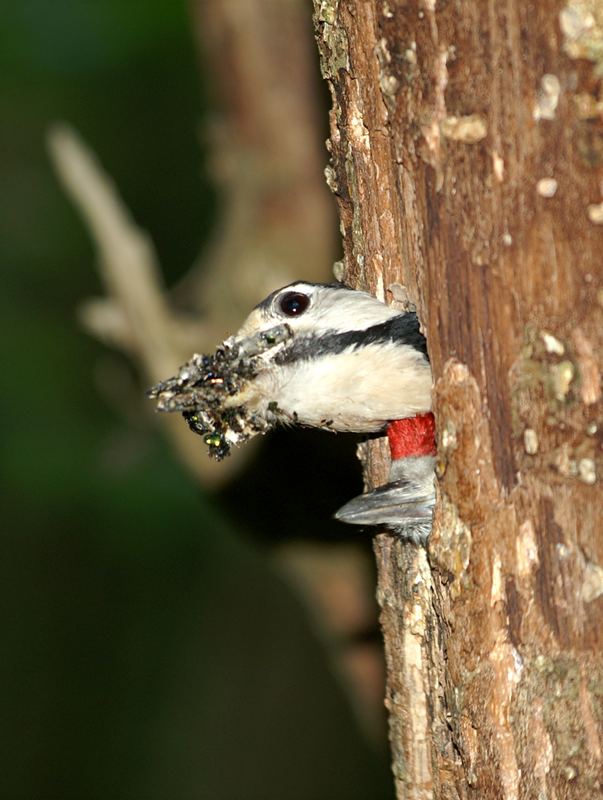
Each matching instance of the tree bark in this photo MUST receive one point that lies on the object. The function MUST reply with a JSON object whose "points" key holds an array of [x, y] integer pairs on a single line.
{"points": [[467, 160]]}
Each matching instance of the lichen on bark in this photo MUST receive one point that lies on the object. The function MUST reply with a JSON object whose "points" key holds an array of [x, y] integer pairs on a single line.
{"points": [[449, 129]]}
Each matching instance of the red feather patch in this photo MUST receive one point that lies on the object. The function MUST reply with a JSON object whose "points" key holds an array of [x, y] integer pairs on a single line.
{"points": [[414, 436]]}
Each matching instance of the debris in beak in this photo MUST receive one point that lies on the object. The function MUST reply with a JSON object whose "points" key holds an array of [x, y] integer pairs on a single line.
{"points": [[204, 388]]}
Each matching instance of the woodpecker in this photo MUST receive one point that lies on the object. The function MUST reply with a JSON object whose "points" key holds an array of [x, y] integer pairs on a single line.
{"points": [[324, 356]]}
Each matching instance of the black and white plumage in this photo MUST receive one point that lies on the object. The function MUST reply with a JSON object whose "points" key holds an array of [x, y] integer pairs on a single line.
{"points": [[352, 362], [324, 356]]}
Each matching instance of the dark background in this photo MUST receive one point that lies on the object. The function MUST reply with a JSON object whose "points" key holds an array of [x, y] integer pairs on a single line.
{"points": [[148, 648]]}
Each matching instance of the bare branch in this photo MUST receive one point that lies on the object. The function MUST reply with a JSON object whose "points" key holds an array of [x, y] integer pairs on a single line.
{"points": [[136, 316], [128, 262]]}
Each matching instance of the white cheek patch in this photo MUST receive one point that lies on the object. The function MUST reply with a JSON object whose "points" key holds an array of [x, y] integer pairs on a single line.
{"points": [[348, 363], [360, 308], [359, 390]]}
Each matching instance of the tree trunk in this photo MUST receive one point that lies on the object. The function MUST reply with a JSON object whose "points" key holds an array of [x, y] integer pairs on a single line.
{"points": [[467, 160]]}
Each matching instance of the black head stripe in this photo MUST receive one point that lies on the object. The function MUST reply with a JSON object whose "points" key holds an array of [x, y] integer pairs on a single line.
{"points": [[403, 328]]}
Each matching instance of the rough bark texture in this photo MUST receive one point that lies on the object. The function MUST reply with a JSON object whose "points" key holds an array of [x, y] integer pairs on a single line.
{"points": [[467, 159]]}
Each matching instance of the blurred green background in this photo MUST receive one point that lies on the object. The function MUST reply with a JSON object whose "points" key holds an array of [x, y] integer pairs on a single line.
{"points": [[148, 648]]}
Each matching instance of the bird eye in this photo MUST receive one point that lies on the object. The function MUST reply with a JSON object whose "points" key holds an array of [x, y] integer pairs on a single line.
{"points": [[293, 304]]}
